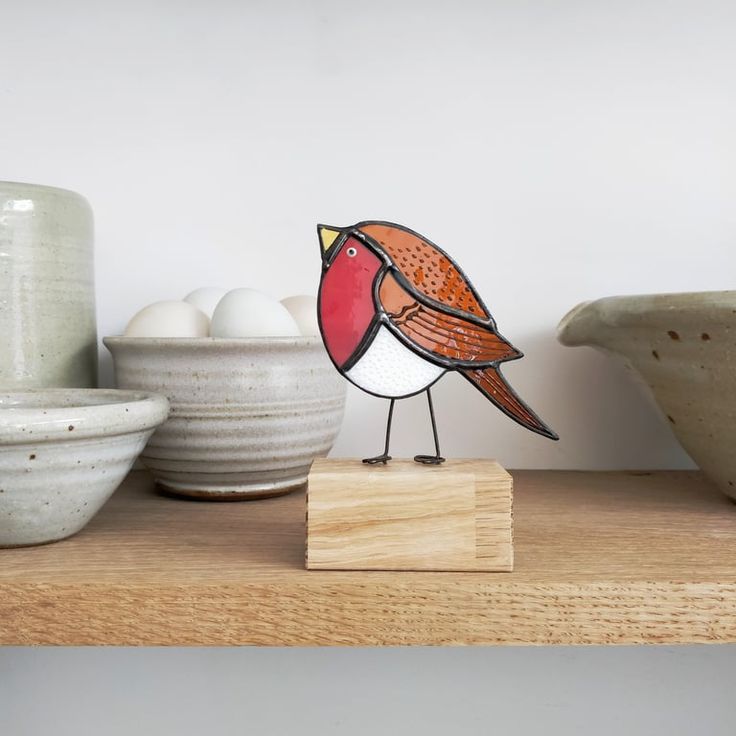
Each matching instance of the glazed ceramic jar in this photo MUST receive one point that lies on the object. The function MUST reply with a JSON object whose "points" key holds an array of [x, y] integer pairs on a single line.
{"points": [[48, 334]]}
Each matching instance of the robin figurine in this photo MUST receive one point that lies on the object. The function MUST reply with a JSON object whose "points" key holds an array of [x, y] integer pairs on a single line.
{"points": [[396, 313]]}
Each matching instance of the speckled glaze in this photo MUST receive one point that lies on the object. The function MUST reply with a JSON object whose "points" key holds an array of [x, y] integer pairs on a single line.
{"points": [[48, 334], [684, 347], [248, 416], [62, 454]]}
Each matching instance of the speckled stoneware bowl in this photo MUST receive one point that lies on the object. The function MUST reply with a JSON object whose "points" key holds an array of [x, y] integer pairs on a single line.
{"points": [[248, 416], [62, 454], [48, 332], [684, 347]]}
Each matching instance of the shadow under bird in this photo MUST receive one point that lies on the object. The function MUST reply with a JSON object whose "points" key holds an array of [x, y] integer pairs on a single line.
{"points": [[396, 313]]}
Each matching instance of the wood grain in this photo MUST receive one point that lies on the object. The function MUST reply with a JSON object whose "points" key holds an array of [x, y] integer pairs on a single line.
{"points": [[404, 516], [600, 558]]}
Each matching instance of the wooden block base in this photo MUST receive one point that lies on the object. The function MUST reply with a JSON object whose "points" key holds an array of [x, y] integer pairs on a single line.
{"points": [[405, 516]]}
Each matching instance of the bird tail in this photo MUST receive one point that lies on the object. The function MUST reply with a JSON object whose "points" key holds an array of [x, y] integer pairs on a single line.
{"points": [[493, 386]]}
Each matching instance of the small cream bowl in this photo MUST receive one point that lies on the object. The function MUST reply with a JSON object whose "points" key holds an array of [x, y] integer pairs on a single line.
{"points": [[248, 415], [62, 454]]}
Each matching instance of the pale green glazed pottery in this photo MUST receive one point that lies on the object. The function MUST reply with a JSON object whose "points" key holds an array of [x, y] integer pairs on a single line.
{"points": [[48, 333], [684, 347]]}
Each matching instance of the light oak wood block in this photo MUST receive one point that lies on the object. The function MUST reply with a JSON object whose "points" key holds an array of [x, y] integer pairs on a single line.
{"points": [[600, 558], [405, 516]]}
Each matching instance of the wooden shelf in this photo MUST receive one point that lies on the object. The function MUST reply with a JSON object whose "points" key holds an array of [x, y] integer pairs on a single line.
{"points": [[601, 558]]}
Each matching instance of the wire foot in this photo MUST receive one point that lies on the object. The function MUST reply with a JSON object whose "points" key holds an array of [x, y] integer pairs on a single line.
{"points": [[429, 459], [384, 458]]}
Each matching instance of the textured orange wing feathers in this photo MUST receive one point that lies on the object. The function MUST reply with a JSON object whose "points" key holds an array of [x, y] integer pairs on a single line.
{"points": [[442, 334], [431, 305], [426, 268], [474, 349]]}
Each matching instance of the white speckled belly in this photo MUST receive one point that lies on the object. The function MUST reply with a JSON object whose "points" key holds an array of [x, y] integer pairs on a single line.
{"points": [[388, 368]]}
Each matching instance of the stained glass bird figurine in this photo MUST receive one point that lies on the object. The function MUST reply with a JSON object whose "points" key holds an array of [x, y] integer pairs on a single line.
{"points": [[396, 313]]}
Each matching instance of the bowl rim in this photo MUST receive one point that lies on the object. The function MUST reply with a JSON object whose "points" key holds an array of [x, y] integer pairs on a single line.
{"points": [[40, 188], [90, 413], [212, 342], [725, 298]]}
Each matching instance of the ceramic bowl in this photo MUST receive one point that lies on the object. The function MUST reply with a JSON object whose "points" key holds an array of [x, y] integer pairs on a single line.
{"points": [[248, 416], [62, 454], [684, 347]]}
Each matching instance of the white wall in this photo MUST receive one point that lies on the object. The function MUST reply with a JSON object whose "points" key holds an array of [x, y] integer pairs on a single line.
{"points": [[561, 151]]}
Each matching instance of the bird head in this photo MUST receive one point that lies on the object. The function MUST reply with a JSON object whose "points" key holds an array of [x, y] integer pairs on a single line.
{"points": [[347, 243]]}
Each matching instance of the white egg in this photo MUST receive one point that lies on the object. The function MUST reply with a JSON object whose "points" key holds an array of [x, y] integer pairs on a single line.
{"points": [[250, 313], [169, 319], [303, 309], [206, 298]]}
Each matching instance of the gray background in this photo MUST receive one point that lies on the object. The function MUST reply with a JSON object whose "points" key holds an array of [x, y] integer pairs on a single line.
{"points": [[603, 691], [560, 150]]}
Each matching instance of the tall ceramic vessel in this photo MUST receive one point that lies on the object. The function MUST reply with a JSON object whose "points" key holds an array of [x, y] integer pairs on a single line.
{"points": [[48, 332]]}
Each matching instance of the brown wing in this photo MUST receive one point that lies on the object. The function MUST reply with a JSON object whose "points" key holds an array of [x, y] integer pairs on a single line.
{"points": [[427, 269], [448, 337]]}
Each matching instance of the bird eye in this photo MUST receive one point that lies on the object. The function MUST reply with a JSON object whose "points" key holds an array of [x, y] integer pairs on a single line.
{"points": [[351, 252]]}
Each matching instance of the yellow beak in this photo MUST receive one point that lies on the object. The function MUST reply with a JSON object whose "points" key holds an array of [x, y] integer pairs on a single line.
{"points": [[327, 236]]}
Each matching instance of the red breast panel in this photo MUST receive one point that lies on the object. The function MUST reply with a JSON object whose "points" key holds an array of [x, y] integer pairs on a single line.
{"points": [[346, 305]]}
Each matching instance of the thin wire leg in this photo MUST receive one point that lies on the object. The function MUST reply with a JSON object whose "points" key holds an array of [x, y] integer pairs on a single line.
{"points": [[435, 459], [385, 457]]}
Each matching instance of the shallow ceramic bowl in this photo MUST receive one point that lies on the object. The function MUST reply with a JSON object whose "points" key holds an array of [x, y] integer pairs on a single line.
{"points": [[684, 347], [248, 416], [62, 454]]}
